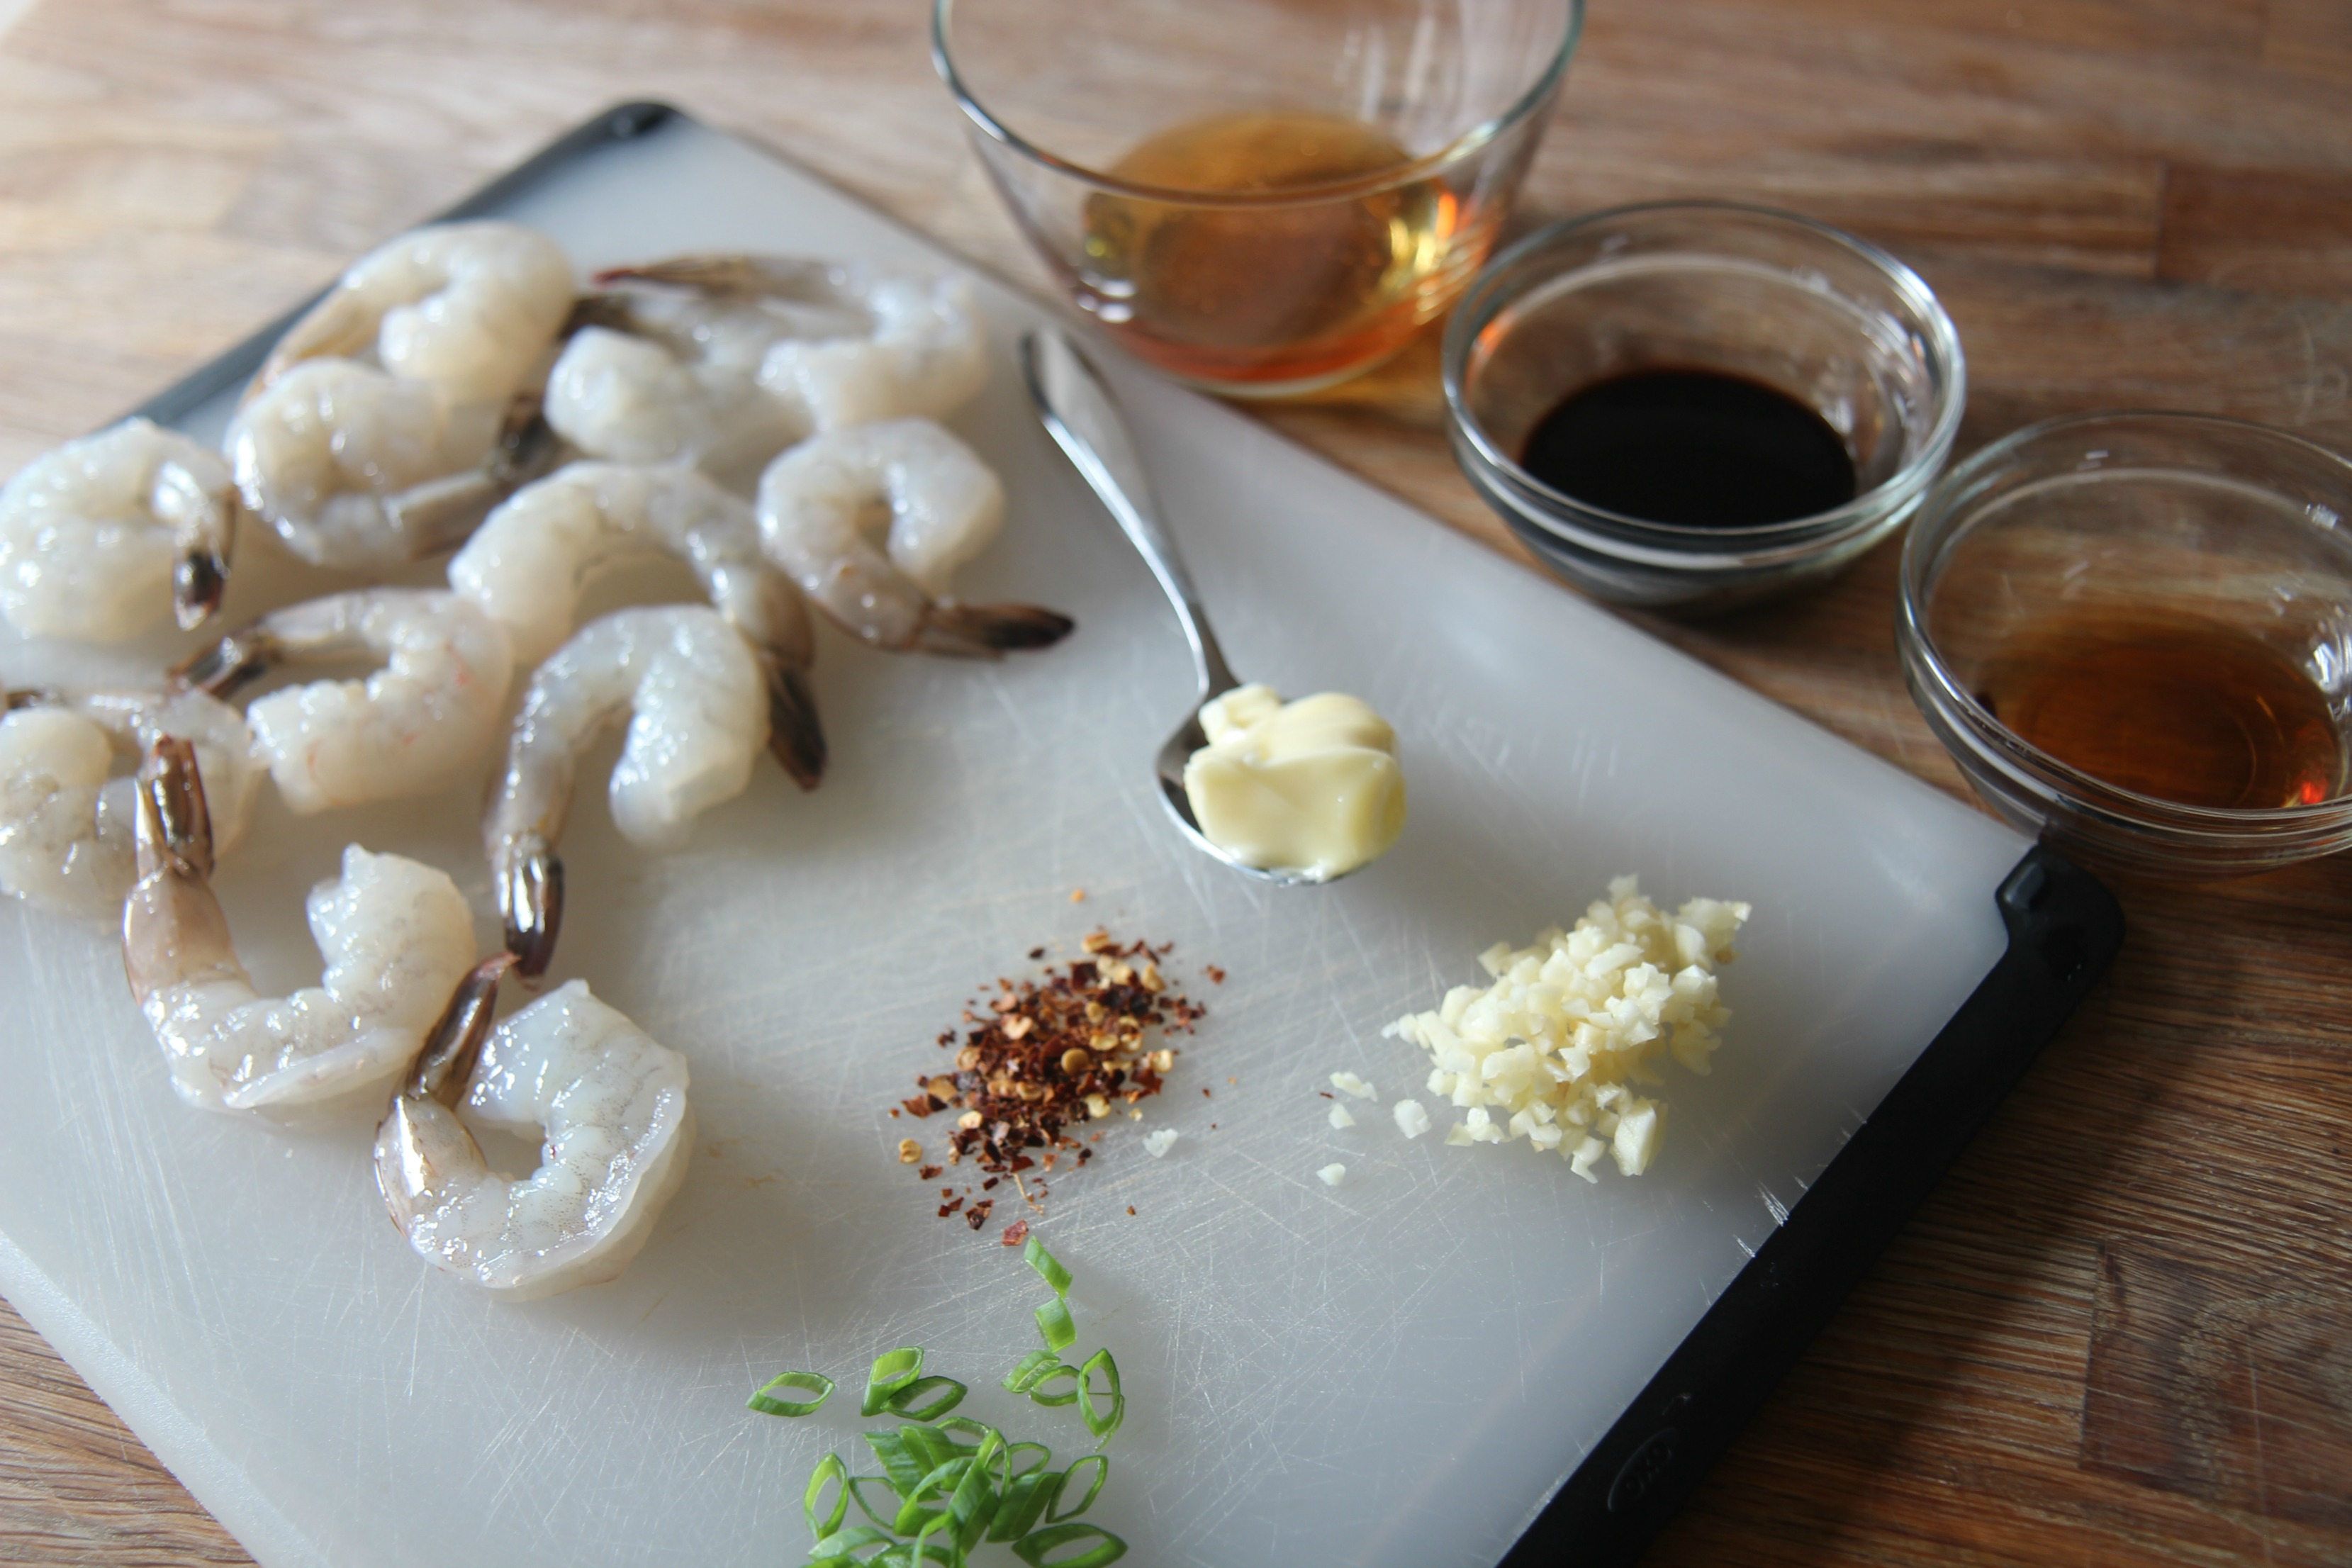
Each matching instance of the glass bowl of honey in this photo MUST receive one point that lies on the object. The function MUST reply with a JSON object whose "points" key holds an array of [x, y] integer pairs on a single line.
{"points": [[2133, 632], [1691, 406], [1259, 197]]}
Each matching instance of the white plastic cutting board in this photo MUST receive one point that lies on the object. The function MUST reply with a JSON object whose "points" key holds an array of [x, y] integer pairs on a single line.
{"points": [[1396, 1373]]}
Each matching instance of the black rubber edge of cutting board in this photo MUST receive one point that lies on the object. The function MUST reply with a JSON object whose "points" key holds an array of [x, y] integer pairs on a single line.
{"points": [[622, 122], [2065, 929]]}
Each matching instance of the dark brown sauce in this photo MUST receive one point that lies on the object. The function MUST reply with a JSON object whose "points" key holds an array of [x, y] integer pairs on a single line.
{"points": [[2191, 711], [1693, 448]]}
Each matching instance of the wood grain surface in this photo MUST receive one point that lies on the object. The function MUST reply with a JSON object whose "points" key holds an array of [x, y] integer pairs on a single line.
{"points": [[2121, 1331]]}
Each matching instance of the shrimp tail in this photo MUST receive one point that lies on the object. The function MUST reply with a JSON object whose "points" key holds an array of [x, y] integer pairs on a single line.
{"points": [[987, 631], [175, 827], [199, 579], [727, 277], [441, 514], [234, 662], [530, 901], [455, 1043], [794, 737]]}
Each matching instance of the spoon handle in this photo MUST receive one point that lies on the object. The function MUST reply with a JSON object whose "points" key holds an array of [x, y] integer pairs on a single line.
{"points": [[1080, 414]]}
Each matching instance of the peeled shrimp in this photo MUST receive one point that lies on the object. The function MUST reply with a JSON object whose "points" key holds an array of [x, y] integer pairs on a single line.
{"points": [[944, 506], [610, 1104], [396, 937], [352, 467], [467, 308], [660, 376], [869, 344], [531, 558], [97, 537], [412, 727], [66, 824], [697, 708]]}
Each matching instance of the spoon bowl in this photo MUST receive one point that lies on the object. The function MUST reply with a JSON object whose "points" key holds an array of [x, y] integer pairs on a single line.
{"points": [[1078, 412]]}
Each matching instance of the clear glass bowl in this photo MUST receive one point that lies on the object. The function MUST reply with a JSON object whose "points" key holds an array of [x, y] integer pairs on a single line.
{"points": [[1836, 324], [1260, 197], [2214, 553]]}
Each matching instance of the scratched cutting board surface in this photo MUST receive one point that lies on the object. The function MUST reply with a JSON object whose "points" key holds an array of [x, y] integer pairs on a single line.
{"points": [[1395, 1373]]}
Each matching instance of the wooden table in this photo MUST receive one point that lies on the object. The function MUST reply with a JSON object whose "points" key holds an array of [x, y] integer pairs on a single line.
{"points": [[2121, 1331]]}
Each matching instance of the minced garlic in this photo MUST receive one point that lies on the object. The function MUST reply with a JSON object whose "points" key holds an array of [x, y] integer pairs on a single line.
{"points": [[1549, 1052]]}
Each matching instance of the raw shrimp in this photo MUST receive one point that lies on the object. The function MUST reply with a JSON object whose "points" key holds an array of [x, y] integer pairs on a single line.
{"points": [[396, 937], [411, 727], [943, 505], [697, 711], [531, 558], [870, 345], [609, 1103], [97, 537], [467, 308], [352, 467], [66, 826], [660, 376]]}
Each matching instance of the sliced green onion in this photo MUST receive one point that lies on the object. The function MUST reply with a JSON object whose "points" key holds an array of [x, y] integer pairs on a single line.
{"points": [[974, 1502], [905, 1468], [1037, 1390], [1033, 1365], [1104, 1422], [881, 1514], [1044, 1458], [929, 1449], [902, 1402], [1024, 1501], [1054, 1322], [927, 1497], [1032, 1549], [836, 1548], [1057, 1513], [980, 1431], [1047, 1268], [812, 1383], [829, 1468], [892, 1372]]}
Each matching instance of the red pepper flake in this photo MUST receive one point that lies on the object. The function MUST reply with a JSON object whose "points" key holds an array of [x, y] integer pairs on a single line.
{"points": [[1016, 1233], [1130, 1208], [978, 1217], [990, 1184], [1048, 1056], [930, 1173], [1216, 977], [1034, 955]]}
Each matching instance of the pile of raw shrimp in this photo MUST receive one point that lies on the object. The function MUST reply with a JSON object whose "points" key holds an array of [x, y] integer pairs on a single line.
{"points": [[757, 419]]}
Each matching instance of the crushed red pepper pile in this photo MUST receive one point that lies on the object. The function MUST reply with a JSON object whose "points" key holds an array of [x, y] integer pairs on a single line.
{"points": [[1043, 1059]]}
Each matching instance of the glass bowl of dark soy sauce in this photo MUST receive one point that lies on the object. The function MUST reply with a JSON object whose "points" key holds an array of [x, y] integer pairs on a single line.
{"points": [[1691, 406]]}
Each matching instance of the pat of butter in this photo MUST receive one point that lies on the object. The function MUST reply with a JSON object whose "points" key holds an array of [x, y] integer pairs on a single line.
{"points": [[1310, 786]]}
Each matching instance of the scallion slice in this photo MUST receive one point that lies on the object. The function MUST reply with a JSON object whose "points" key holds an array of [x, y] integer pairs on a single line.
{"points": [[1054, 1322], [829, 1468], [1105, 1421], [1044, 1458], [880, 1513], [1048, 1268], [893, 1371], [903, 1401], [1032, 1548], [1038, 1391], [979, 1431], [812, 1382], [1024, 1501], [1056, 1513], [836, 1547], [1033, 1365]]}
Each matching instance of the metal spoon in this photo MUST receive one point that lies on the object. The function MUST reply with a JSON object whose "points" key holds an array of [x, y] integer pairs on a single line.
{"points": [[1082, 417]]}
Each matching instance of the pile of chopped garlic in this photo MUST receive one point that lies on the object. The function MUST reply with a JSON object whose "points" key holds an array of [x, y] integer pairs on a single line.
{"points": [[1549, 1051]]}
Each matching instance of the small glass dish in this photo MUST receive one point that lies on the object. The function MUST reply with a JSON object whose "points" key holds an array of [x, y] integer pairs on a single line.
{"points": [[2162, 603], [1837, 325], [1259, 197]]}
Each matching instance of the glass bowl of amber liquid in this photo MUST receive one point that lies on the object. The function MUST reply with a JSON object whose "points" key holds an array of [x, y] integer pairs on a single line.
{"points": [[1259, 197], [1691, 405], [2133, 632]]}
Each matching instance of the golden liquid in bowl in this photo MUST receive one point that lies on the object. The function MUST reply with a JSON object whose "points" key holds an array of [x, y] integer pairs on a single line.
{"points": [[1280, 292], [2196, 713]]}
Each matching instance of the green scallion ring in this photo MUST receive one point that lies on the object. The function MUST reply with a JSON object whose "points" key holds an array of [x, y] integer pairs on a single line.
{"points": [[903, 1400], [1032, 1548], [1047, 1268], [829, 1468], [1033, 1365], [1054, 1322], [1037, 1390], [1103, 1423], [812, 1383], [1057, 1513], [893, 1371]]}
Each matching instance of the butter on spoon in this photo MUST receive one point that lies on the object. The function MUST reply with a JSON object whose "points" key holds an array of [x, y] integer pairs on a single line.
{"points": [[1296, 802]]}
